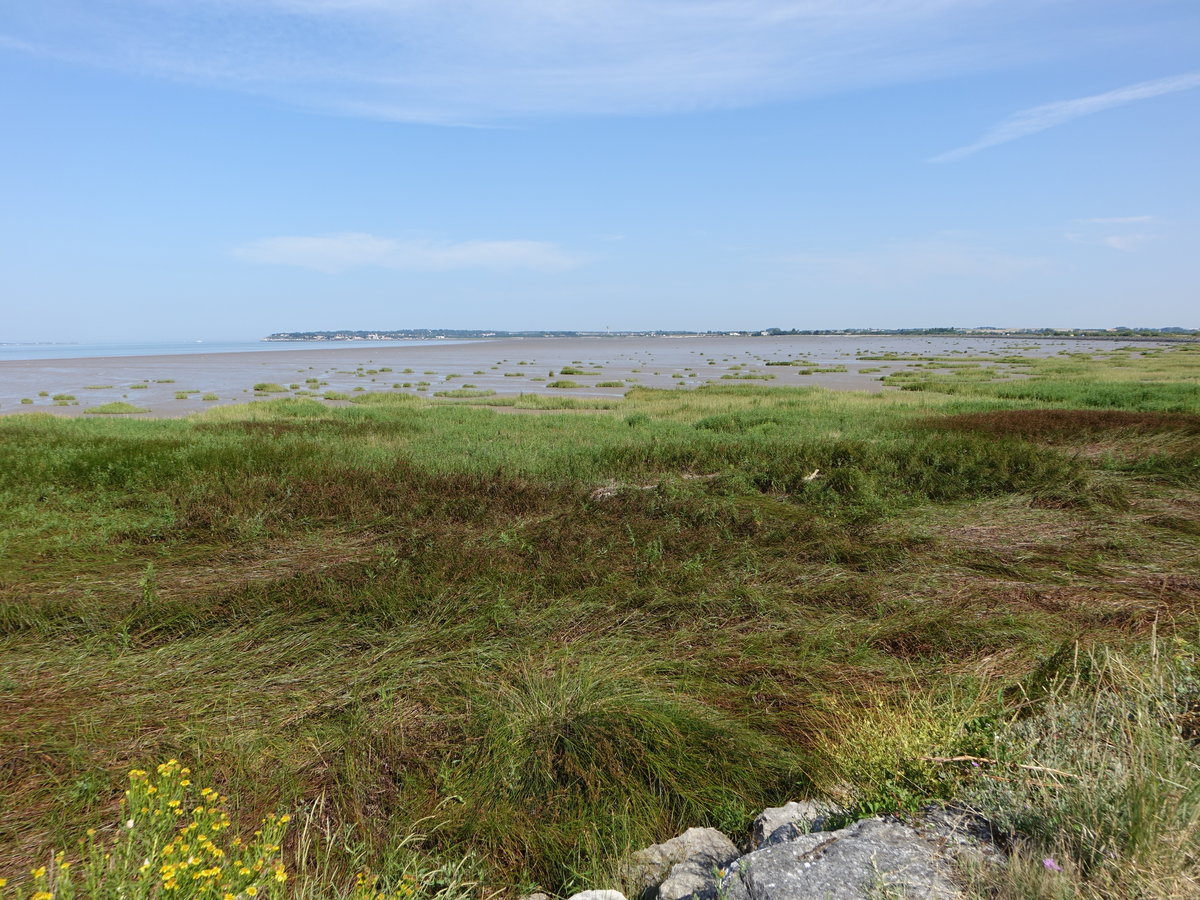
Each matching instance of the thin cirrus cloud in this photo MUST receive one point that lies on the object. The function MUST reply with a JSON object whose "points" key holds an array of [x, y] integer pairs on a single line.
{"points": [[917, 262], [341, 252], [1039, 118], [1125, 243], [477, 61], [1117, 220]]}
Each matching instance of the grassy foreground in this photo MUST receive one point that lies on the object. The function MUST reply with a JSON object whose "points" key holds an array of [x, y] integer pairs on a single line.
{"points": [[500, 649]]}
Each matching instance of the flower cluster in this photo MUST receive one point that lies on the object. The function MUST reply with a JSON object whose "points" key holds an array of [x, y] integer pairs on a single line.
{"points": [[171, 844], [368, 887]]}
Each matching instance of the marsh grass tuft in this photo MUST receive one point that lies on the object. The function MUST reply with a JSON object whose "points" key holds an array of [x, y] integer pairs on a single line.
{"points": [[117, 408]]}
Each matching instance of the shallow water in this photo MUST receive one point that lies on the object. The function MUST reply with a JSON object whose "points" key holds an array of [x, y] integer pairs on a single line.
{"points": [[661, 362]]}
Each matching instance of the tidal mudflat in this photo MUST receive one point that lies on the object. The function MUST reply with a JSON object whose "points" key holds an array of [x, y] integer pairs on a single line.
{"points": [[179, 385]]}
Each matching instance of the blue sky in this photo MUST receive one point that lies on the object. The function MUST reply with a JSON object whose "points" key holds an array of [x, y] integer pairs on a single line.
{"points": [[203, 169]]}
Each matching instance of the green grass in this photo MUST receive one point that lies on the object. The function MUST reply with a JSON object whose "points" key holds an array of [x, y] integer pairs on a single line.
{"points": [[535, 636], [117, 408], [270, 387], [465, 393], [1099, 776]]}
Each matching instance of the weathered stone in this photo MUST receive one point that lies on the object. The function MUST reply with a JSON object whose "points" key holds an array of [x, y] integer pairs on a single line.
{"points": [[696, 878], [598, 895], [706, 848], [865, 860], [777, 824]]}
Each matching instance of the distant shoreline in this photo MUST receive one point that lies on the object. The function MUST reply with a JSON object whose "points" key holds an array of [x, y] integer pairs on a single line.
{"points": [[1172, 334]]}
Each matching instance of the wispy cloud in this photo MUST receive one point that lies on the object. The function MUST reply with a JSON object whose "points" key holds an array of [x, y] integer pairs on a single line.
{"points": [[1127, 243], [1039, 118], [913, 262], [339, 252], [479, 61], [1117, 220]]}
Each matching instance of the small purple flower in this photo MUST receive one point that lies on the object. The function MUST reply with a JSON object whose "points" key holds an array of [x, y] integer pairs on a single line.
{"points": [[1050, 864]]}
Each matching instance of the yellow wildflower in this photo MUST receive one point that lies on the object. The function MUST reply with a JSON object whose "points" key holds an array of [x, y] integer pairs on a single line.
{"points": [[39, 872], [251, 891]]}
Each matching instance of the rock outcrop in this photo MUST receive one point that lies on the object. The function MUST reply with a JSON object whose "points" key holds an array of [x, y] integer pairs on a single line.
{"points": [[680, 867], [871, 858], [792, 858], [777, 824]]}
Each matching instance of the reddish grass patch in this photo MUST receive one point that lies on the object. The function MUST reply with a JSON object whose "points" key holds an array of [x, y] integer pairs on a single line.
{"points": [[1066, 423]]}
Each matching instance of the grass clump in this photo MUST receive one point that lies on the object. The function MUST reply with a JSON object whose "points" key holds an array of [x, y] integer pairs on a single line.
{"points": [[564, 384], [1098, 786], [270, 387], [465, 393], [117, 408], [388, 399]]}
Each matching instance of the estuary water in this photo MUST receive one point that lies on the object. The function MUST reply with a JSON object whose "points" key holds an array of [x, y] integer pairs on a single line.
{"points": [[175, 348], [180, 379]]}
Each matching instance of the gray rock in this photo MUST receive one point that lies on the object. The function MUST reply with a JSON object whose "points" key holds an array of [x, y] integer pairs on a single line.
{"points": [[868, 859], [696, 878], [598, 895], [702, 849], [536, 895], [777, 824]]}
